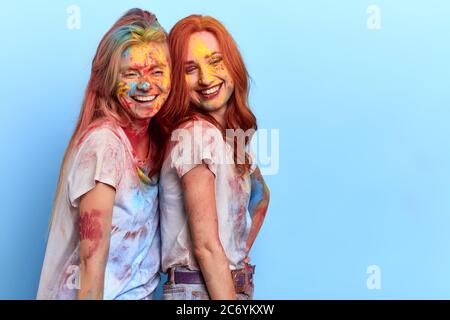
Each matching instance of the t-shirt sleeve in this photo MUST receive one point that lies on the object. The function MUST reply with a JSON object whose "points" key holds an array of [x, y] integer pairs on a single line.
{"points": [[99, 158], [195, 144]]}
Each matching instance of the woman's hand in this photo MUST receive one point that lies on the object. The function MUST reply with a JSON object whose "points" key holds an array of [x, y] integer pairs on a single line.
{"points": [[200, 203], [95, 227]]}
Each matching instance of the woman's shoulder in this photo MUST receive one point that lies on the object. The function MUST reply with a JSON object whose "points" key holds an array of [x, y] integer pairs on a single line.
{"points": [[103, 134], [197, 123]]}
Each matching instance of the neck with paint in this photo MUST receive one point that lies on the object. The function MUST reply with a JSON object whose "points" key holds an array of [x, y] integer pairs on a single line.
{"points": [[139, 138]]}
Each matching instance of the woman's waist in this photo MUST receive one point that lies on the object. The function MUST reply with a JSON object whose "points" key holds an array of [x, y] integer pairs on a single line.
{"points": [[242, 277], [182, 255]]}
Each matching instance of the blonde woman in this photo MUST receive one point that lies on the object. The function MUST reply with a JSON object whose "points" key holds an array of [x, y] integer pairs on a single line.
{"points": [[104, 239]]}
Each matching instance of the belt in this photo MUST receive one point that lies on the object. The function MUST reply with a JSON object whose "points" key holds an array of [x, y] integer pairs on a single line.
{"points": [[242, 278]]}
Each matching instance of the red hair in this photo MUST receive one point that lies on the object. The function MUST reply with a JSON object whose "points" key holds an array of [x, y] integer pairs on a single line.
{"points": [[179, 109]]}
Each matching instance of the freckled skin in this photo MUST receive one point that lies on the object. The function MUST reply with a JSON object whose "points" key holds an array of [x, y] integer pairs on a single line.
{"points": [[90, 229], [205, 68]]}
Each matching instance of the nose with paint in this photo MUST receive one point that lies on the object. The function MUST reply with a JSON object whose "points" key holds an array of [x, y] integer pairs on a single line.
{"points": [[205, 78], [208, 83], [144, 88]]}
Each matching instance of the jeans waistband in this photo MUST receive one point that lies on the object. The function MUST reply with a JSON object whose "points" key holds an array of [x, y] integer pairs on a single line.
{"points": [[242, 278]]}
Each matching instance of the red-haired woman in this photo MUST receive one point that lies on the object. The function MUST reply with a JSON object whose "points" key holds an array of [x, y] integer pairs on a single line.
{"points": [[104, 240], [213, 198]]}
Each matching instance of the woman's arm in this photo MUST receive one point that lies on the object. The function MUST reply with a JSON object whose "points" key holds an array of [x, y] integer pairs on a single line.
{"points": [[200, 202], [259, 202], [95, 226]]}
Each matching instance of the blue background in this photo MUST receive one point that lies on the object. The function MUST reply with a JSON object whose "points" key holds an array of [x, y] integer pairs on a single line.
{"points": [[364, 176]]}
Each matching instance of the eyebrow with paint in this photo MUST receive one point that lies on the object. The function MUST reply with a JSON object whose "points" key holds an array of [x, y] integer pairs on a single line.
{"points": [[136, 67], [205, 57]]}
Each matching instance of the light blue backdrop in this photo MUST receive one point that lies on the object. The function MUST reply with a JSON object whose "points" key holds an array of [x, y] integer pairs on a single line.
{"points": [[364, 176]]}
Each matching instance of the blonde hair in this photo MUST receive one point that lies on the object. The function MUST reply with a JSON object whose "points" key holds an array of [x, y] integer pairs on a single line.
{"points": [[100, 103]]}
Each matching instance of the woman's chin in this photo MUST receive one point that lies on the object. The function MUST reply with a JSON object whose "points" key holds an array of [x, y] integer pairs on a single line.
{"points": [[209, 107]]}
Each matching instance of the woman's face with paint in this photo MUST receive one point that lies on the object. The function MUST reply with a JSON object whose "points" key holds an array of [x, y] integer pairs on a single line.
{"points": [[209, 82], [144, 79]]}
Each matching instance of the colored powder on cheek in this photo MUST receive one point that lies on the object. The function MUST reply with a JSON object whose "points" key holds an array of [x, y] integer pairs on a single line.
{"points": [[220, 69], [122, 89], [165, 84], [132, 88], [165, 81], [210, 70]]}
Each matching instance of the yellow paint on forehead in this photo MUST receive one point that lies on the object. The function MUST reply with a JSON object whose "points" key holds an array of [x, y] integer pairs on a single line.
{"points": [[199, 48], [146, 54], [138, 54], [159, 54]]}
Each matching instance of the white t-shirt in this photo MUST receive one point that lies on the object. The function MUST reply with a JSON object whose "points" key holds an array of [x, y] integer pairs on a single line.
{"points": [[199, 142], [132, 268]]}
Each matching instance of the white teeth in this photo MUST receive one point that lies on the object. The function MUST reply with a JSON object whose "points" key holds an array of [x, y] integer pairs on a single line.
{"points": [[145, 98], [211, 90]]}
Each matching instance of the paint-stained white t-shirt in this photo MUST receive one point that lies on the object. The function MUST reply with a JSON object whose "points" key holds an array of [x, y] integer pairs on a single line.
{"points": [[199, 142], [132, 269]]}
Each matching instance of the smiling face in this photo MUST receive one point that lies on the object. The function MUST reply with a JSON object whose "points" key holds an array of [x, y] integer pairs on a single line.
{"points": [[144, 79], [208, 80]]}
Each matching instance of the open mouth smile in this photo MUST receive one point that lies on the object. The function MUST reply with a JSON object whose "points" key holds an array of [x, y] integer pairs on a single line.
{"points": [[210, 92], [145, 99]]}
